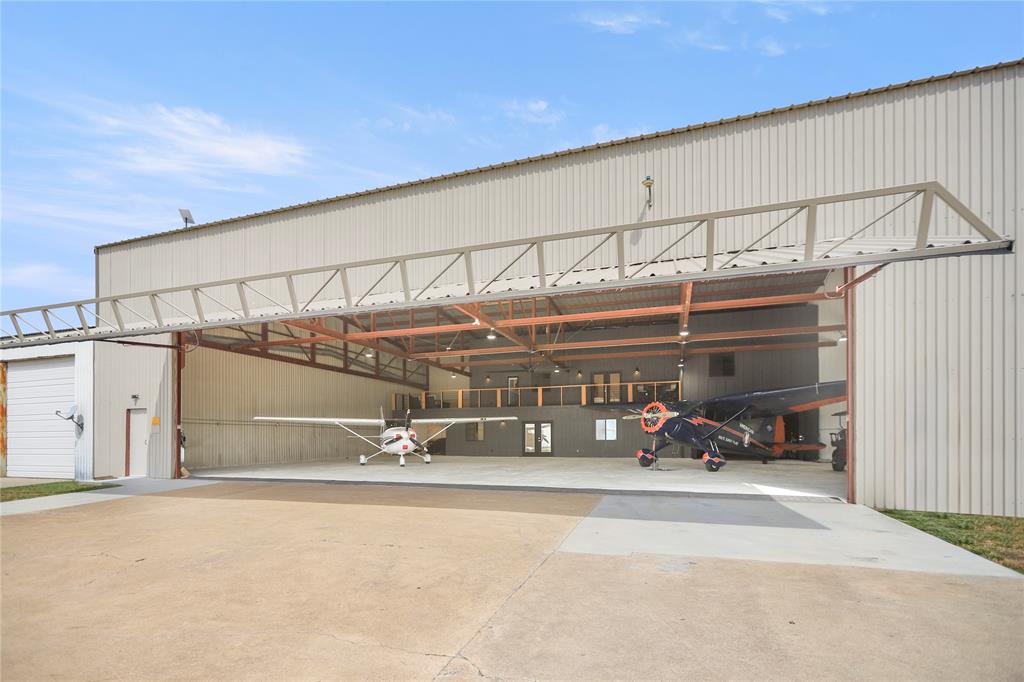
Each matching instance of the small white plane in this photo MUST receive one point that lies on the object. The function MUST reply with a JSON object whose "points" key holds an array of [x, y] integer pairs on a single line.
{"points": [[397, 441]]}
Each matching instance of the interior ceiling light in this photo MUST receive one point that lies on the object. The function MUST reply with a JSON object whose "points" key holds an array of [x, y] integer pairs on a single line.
{"points": [[369, 353], [453, 375], [557, 370], [684, 332], [842, 336], [491, 335]]}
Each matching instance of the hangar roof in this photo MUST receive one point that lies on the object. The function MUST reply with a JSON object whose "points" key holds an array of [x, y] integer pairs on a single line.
{"points": [[577, 150]]}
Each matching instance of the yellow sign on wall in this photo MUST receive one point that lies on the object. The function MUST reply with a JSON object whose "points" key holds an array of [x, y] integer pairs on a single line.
{"points": [[155, 421]]}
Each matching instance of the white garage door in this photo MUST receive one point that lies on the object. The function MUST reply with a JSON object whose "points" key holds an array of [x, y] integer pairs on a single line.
{"points": [[39, 443]]}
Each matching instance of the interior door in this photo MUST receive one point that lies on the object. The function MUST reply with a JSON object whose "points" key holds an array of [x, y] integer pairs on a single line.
{"points": [[138, 442], [512, 400], [538, 438]]}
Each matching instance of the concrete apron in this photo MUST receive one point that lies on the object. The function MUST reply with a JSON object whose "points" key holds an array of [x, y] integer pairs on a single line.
{"points": [[248, 580], [782, 479]]}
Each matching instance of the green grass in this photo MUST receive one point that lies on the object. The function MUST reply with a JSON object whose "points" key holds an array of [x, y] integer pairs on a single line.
{"points": [[999, 538], [24, 492]]}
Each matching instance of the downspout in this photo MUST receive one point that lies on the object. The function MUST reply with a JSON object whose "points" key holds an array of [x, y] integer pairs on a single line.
{"points": [[851, 368], [179, 362]]}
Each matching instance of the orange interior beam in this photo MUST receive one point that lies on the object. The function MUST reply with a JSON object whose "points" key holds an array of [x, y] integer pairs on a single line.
{"points": [[638, 341], [622, 313], [753, 348]]}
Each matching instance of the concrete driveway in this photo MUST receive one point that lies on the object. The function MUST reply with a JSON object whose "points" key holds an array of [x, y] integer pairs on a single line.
{"points": [[328, 581]]}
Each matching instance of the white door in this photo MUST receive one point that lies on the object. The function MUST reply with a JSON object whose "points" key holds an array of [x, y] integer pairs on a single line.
{"points": [[39, 443], [138, 443]]}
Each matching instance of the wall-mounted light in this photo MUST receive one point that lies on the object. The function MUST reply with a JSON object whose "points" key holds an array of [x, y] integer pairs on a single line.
{"points": [[636, 371], [648, 182], [680, 364], [453, 375], [842, 337], [491, 335], [557, 370], [487, 379], [579, 374]]}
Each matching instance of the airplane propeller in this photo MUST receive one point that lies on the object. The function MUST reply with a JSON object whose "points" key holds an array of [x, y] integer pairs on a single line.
{"points": [[652, 415]]}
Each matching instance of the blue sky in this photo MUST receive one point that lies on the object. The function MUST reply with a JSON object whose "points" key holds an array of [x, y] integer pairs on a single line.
{"points": [[115, 115]]}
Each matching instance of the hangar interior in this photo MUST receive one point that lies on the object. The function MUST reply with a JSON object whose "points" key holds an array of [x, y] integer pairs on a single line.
{"points": [[564, 367]]}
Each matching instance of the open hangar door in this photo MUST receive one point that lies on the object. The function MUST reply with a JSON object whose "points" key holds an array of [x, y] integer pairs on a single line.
{"points": [[564, 369]]}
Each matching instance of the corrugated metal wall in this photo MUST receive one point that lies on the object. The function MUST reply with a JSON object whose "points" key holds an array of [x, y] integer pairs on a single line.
{"points": [[222, 392], [939, 364], [119, 373]]}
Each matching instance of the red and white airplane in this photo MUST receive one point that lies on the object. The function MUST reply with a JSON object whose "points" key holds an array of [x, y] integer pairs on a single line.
{"points": [[397, 437]]}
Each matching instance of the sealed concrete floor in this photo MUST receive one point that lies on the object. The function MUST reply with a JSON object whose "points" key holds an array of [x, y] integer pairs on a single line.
{"points": [[259, 580], [788, 478]]}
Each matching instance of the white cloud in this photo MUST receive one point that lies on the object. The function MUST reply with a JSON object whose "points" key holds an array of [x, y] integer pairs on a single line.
{"points": [[187, 141], [622, 22], [703, 40], [770, 47], [783, 10], [48, 278], [532, 111], [777, 13]]}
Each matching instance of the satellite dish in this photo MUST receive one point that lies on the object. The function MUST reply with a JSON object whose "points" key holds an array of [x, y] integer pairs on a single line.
{"points": [[72, 415]]}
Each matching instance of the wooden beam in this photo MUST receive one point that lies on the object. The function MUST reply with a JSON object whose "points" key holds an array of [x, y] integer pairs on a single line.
{"points": [[685, 298]]}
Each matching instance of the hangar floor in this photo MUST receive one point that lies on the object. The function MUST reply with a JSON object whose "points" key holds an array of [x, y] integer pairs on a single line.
{"points": [[783, 478]]}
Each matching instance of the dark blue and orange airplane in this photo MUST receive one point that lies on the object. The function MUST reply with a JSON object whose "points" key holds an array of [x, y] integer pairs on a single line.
{"points": [[745, 423]]}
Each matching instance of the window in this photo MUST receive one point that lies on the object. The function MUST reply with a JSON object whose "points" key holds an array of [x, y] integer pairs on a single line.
{"points": [[607, 387], [606, 429], [475, 431], [722, 365]]}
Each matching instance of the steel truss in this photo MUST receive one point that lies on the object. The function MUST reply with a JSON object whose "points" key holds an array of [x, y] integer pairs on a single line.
{"points": [[301, 294]]}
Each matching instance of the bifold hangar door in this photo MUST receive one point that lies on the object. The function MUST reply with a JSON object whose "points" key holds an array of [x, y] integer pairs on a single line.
{"points": [[39, 443]]}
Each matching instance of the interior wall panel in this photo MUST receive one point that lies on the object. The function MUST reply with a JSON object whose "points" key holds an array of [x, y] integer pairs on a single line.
{"points": [[222, 392]]}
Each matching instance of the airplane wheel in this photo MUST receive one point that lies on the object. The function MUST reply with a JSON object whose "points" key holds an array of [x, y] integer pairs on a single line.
{"points": [[362, 460], [838, 460], [764, 460], [401, 462], [712, 466]]}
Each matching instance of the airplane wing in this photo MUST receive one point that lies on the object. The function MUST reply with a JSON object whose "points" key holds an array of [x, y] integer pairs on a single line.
{"points": [[337, 421], [461, 420], [782, 400]]}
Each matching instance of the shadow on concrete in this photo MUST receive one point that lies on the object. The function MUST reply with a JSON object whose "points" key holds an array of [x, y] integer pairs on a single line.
{"points": [[428, 497], [761, 511]]}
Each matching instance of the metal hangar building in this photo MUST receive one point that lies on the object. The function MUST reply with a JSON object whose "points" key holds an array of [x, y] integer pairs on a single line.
{"points": [[866, 237]]}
